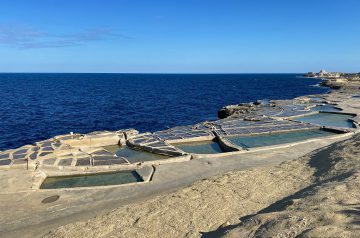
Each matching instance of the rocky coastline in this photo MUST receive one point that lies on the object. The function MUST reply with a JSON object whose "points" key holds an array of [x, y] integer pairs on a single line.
{"points": [[336, 80], [347, 82], [314, 195], [263, 176]]}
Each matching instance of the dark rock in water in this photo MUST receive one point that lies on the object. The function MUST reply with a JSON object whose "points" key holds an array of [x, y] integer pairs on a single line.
{"points": [[230, 110], [257, 102], [224, 112]]}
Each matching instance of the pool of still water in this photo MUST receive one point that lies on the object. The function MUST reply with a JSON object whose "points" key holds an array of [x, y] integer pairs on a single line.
{"points": [[134, 156], [329, 119], [316, 98], [203, 147], [277, 138], [326, 108], [90, 180]]}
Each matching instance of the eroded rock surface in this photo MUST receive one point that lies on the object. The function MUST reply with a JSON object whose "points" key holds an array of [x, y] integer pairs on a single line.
{"points": [[315, 196]]}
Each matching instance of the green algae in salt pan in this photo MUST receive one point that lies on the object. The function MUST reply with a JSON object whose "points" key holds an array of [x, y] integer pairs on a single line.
{"points": [[134, 156], [277, 138], [90, 180], [328, 119], [203, 147]]}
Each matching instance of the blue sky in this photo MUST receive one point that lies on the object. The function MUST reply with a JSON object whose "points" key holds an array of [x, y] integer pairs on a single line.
{"points": [[187, 36]]}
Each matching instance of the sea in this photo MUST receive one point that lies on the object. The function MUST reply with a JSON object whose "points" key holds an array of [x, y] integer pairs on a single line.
{"points": [[38, 106]]}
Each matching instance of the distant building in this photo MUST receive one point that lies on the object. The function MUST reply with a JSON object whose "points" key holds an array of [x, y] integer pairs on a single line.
{"points": [[323, 72]]}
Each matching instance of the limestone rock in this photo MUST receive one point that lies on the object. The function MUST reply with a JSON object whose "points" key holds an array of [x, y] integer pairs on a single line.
{"points": [[230, 110]]}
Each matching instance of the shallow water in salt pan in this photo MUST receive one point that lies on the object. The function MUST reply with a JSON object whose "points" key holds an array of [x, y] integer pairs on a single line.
{"points": [[91, 180], [326, 108], [329, 119], [134, 156], [278, 138], [203, 147]]}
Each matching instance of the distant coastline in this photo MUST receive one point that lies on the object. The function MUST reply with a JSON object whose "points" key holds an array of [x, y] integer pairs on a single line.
{"points": [[336, 80]]}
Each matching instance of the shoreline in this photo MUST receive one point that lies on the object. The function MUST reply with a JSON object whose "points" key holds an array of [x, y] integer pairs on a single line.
{"points": [[314, 196], [168, 177], [128, 114], [183, 176]]}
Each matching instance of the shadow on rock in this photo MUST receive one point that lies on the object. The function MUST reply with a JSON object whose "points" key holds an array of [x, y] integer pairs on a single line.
{"points": [[322, 161]]}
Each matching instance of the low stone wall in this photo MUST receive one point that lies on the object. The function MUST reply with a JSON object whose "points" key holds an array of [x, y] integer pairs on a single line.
{"points": [[146, 173], [104, 139], [87, 169], [170, 160], [151, 149], [296, 116], [192, 139], [338, 130], [227, 146]]}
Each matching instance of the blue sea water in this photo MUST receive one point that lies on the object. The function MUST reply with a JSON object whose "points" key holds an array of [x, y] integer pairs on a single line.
{"points": [[35, 106]]}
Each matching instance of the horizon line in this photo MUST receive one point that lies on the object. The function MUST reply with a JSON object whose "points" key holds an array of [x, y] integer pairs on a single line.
{"points": [[150, 73]]}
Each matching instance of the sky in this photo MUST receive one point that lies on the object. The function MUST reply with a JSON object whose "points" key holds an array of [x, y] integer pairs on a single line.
{"points": [[187, 36]]}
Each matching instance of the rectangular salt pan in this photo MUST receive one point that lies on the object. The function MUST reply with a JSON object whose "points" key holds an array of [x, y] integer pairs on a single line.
{"points": [[90, 180], [204, 147], [134, 156], [277, 138], [329, 119]]}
